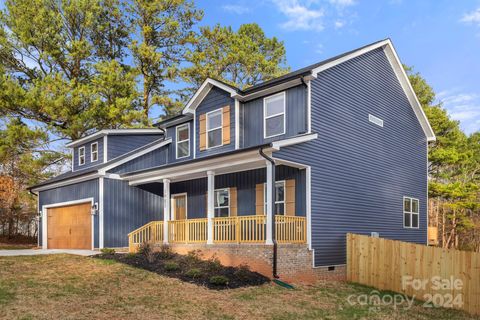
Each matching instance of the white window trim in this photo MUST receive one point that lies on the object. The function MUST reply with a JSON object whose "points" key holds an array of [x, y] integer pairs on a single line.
{"points": [[276, 202], [208, 130], [411, 213], [222, 207], [177, 128], [80, 156], [284, 113], [91, 152]]}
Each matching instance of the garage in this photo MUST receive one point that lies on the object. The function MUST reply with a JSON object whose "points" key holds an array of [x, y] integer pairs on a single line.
{"points": [[70, 227]]}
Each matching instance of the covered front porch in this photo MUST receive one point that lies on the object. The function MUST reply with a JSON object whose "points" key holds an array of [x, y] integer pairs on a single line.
{"points": [[245, 200]]}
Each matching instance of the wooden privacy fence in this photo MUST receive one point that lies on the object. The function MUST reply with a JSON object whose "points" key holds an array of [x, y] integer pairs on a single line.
{"points": [[430, 274]]}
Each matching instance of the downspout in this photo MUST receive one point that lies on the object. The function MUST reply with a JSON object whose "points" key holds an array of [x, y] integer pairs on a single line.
{"points": [[274, 262]]}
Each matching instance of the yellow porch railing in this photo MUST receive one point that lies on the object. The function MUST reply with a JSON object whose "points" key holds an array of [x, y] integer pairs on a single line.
{"points": [[151, 232], [240, 229], [290, 229], [187, 231]]}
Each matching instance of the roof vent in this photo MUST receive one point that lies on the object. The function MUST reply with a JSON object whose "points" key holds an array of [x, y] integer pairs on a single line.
{"points": [[375, 120]]}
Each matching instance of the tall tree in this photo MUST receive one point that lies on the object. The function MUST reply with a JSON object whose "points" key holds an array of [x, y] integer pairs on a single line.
{"points": [[162, 33], [25, 158], [242, 58], [62, 65]]}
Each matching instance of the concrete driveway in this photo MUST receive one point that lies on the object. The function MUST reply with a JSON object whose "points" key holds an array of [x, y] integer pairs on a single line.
{"points": [[33, 252]]}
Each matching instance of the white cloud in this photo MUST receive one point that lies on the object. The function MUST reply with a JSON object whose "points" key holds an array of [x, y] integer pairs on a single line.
{"points": [[339, 24], [301, 15], [343, 3], [472, 17], [464, 107], [236, 8]]}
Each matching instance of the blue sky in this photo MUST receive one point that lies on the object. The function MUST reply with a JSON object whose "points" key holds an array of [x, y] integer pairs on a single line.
{"points": [[441, 39]]}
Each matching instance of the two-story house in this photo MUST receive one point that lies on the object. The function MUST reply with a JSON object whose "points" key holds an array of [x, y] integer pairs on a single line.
{"points": [[299, 161]]}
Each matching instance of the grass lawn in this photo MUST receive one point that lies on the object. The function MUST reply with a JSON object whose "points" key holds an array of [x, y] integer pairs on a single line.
{"points": [[72, 287], [7, 246]]}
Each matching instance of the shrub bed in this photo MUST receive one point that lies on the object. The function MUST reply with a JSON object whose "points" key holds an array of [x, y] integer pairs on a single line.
{"points": [[190, 268]]}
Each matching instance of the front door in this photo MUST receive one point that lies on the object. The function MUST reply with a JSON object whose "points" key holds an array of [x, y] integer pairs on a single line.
{"points": [[179, 206]]}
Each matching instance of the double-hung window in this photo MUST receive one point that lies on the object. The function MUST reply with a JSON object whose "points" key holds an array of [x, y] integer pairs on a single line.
{"points": [[274, 115], [94, 152], [222, 202], [214, 128], [279, 198], [81, 156], [183, 140], [410, 212]]}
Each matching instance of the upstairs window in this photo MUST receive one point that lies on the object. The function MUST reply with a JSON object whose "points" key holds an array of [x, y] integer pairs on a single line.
{"points": [[279, 198], [222, 203], [274, 115], [214, 128], [410, 212], [81, 156], [183, 140], [94, 152]]}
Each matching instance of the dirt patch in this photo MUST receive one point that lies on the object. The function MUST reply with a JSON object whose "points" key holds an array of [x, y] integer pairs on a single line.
{"points": [[190, 268]]}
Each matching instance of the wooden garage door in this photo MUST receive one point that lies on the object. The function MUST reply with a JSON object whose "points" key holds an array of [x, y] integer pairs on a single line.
{"points": [[70, 227]]}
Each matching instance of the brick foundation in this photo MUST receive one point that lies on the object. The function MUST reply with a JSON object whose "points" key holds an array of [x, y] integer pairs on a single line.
{"points": [[294, 262]]}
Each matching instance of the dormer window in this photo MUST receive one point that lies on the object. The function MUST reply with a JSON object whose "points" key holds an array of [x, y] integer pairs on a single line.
{"points": [[214, 128], [183, 140], [94, 152], [274, 115], [81, 156]]}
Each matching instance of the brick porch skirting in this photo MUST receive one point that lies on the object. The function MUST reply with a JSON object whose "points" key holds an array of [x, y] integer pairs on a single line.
{"points": [[294, 263]]}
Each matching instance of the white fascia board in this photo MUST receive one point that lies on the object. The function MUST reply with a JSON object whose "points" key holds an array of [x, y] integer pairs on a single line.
{"points": [[277, 145], [102, 133], [104, 170], [67, 182], [400, 73], [203, 91]]}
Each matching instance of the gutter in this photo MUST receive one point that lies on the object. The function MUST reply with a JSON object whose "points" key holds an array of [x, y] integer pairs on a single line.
{"points": [[274, 262]]}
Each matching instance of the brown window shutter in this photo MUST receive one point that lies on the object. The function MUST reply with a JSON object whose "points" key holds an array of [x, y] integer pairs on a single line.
{"points": [[259, 201], [290, 197], [203, 131], [233, 202], [226, 125]]}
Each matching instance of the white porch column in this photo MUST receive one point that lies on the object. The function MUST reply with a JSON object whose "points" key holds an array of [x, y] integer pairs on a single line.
{"points": [[210, 205], [269, 201], [166, 209]]}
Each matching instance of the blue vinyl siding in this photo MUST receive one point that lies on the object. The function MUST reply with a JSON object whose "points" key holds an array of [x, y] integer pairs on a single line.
{"points": [[251, 118], [77, 191], [215, 99], [121, 144], [151, 159], [88, 163], [360, 171], [245, 183], [127, 208]]}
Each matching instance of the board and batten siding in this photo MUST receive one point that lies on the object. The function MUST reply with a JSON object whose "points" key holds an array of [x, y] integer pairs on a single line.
{"points": [[127, 208], [215, 99], [360, 171], [251, 118], [72, 192], [121, 144], [88, 163], [245, 183]]}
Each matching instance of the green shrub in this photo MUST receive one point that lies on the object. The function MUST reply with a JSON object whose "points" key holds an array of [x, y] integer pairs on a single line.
{"points": [[194, 273], [214, 264], [131, 255], [171, 266], [166, 252], [243, 272], [107, 251], [218, 280]]}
